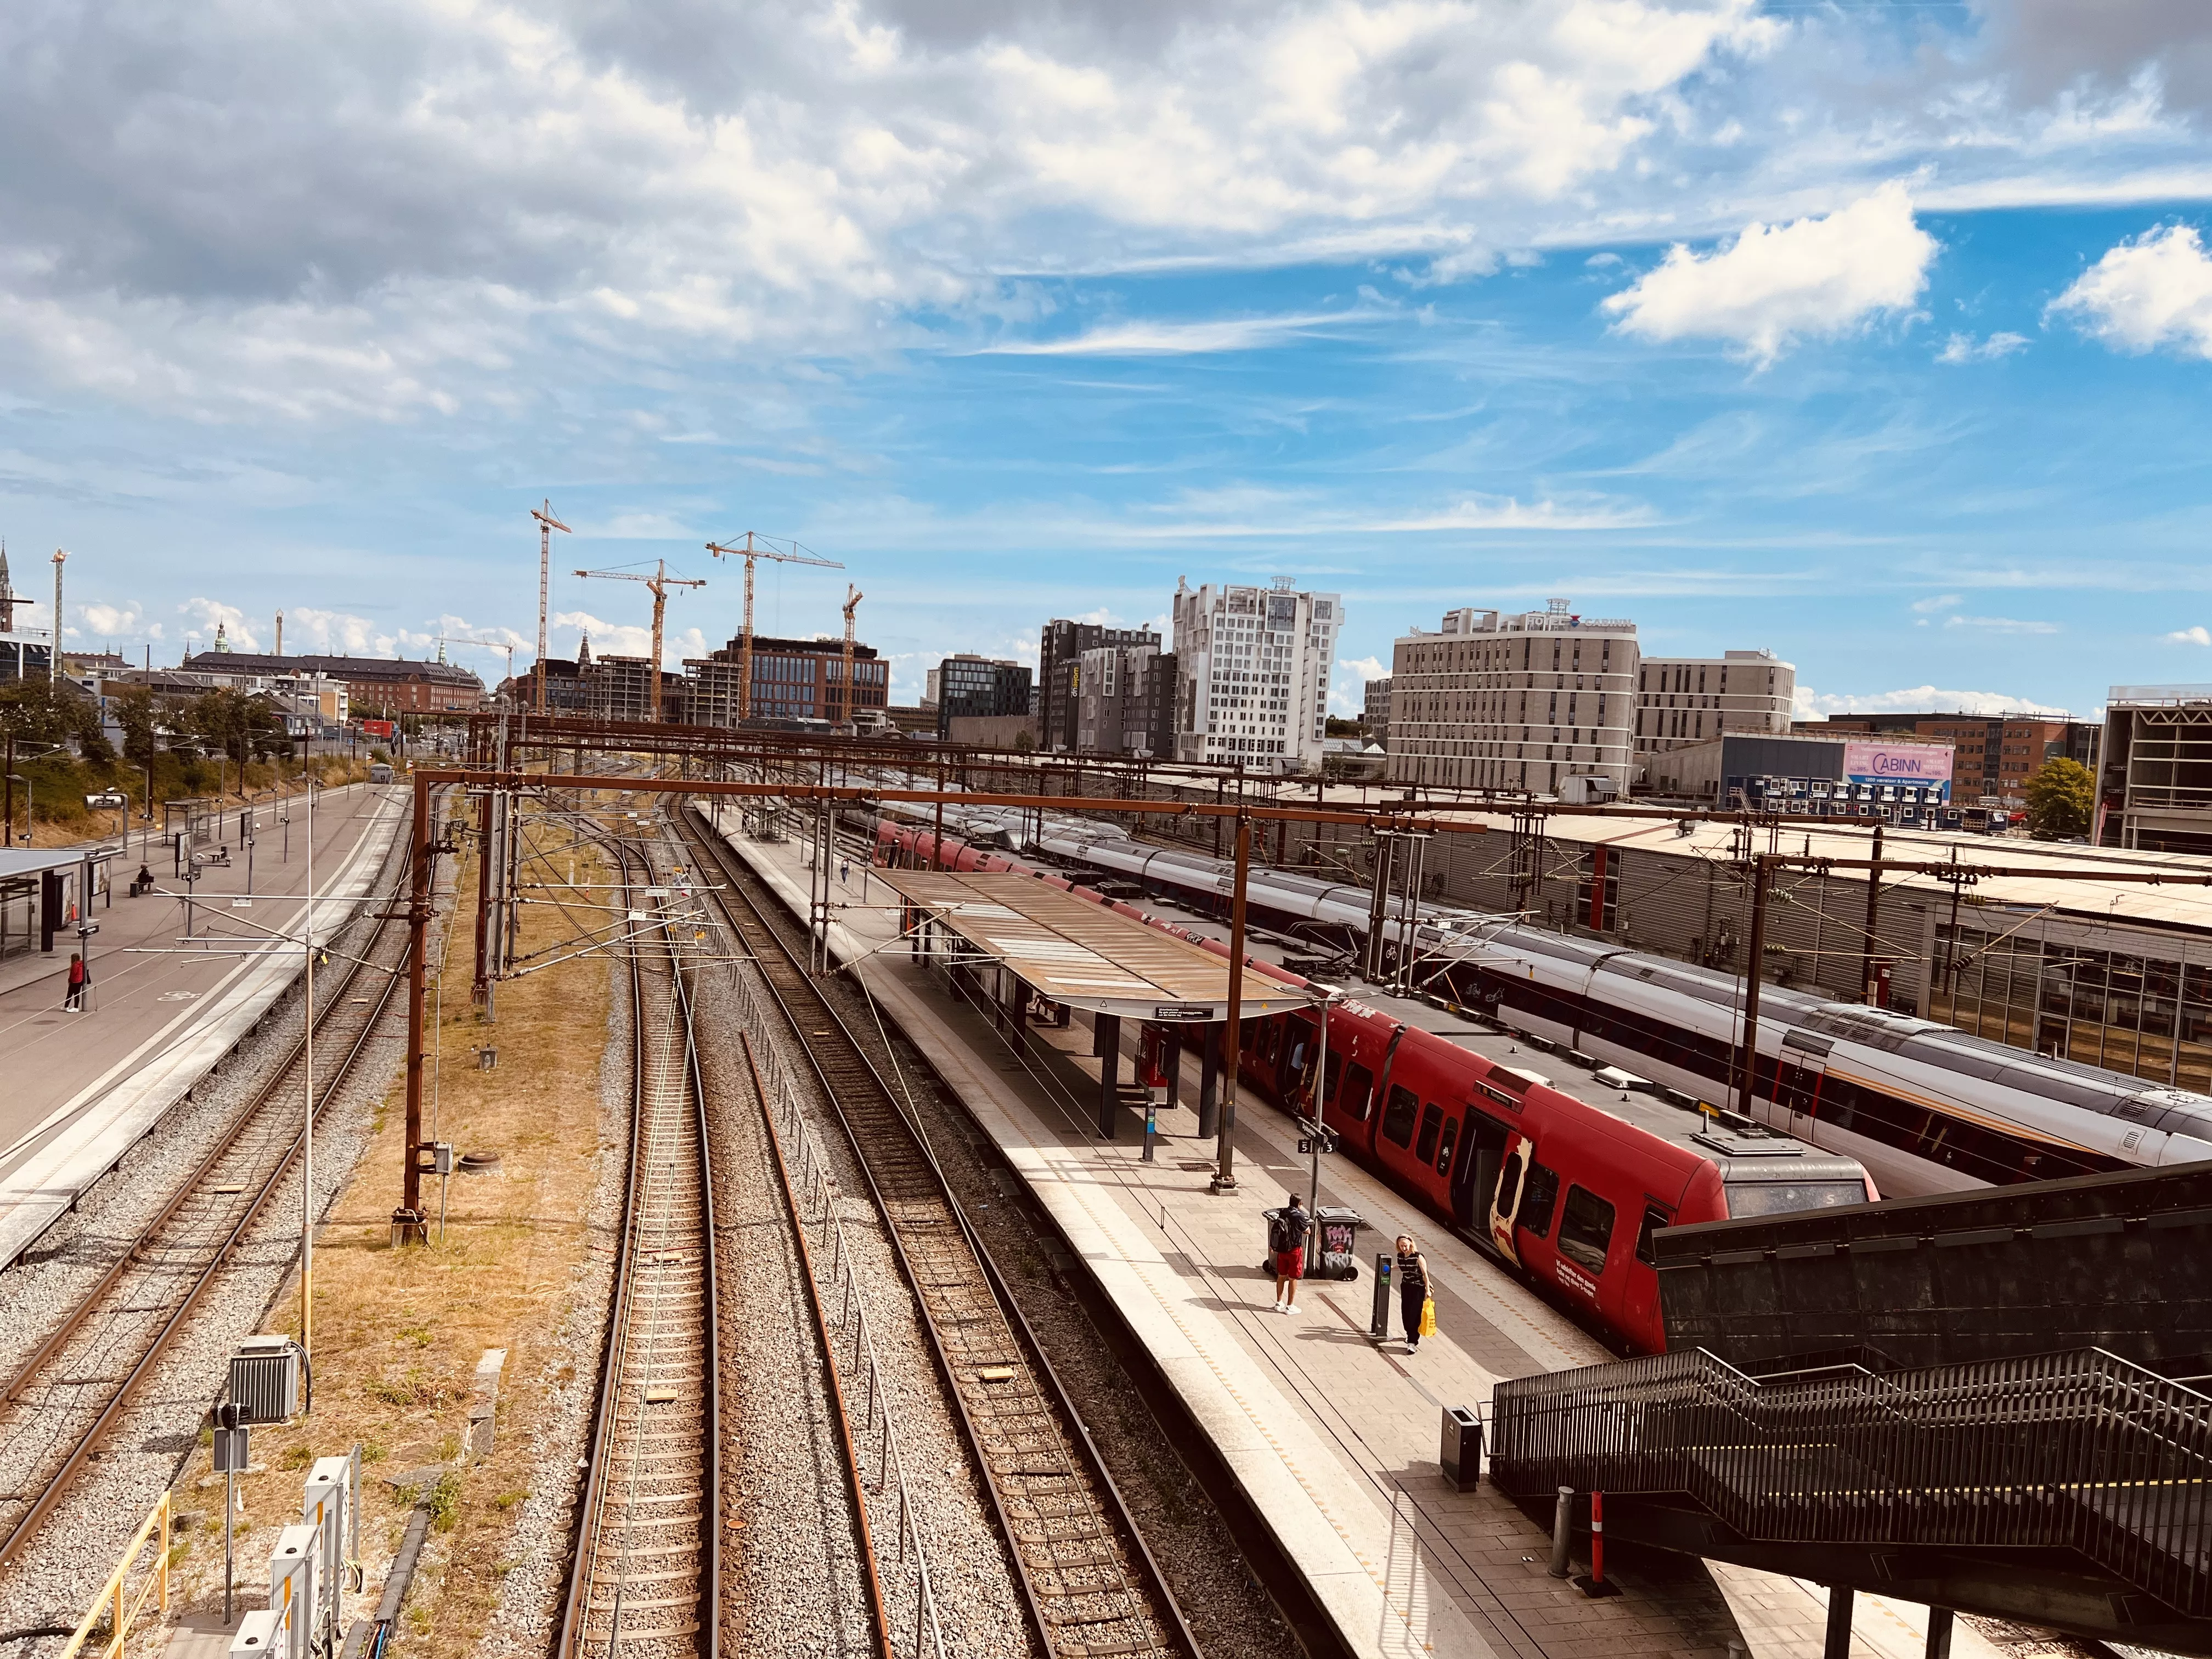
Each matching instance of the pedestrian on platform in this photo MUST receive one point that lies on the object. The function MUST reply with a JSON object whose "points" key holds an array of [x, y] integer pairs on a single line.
{"points": [[1413, 1290], [1286, 1239], [78, 979]]}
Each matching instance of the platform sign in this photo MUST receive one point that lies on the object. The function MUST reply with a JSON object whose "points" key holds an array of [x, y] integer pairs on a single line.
{"points": [[1202, 1013], [1920, 765]]}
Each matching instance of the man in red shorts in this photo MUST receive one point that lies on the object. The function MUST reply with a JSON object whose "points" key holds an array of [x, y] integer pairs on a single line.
{"points": [[1287, 1240]]}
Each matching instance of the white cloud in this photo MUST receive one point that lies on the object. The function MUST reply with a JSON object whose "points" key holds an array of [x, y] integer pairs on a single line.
{"points": [[114, 622], [2001, 624], [2154, 290], [339, 632], [1966, 348], [1153, 339], [1363, 669], [1936, 604], [2199, 634], [208, 614], [626, 640], [1812, 705], [1778, 283]]}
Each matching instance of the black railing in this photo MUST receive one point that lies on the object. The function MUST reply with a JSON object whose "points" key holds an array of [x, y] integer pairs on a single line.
{"points": [[2080, 1450]]}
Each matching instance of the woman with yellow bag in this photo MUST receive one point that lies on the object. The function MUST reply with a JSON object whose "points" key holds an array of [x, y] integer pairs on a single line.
{"points": [[1414, 1301]]}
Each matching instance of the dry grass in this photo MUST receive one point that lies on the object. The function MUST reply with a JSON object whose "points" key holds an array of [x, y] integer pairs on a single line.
{"points": [[398, 1332]]}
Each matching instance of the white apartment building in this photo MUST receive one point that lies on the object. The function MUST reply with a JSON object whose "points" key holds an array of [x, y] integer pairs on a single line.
{"points": [[1499, 700], [1685, 700], [1252, 668]]}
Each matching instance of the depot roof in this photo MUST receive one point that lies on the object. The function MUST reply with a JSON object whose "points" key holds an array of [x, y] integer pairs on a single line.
{"points": [[1077, 952]]}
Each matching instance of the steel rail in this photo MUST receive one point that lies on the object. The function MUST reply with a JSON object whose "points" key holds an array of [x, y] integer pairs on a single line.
{"points": [[586, 1562], [59, 1483], [855, 1479], [1121, 1542]]}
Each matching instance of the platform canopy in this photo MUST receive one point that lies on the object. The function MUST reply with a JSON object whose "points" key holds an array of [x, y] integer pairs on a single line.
{"points": [[1076, 952]]}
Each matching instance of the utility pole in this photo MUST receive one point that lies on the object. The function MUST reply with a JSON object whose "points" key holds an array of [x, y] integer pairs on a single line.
{"points": [[547, 523], [1746, 1069], [659, 582], [1225, 1173], [757, 546], [1868, 969]]}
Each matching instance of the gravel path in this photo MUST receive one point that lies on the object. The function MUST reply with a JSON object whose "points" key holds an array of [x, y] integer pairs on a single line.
{"points": [[978, 1600], [51, 1582], [791, 1569]]}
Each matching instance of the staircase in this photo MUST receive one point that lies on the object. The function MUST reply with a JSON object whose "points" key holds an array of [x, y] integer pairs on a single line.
{"points": [[2080, 1450]]}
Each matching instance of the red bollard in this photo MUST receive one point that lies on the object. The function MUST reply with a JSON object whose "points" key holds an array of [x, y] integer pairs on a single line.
{"points": [[1592, 1583]]}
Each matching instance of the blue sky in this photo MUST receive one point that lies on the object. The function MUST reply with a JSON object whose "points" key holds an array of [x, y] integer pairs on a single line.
{"points": [[1876, 336]]}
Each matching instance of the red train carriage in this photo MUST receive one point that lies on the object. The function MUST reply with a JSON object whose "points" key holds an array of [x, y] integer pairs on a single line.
{"points": [[1567, 1192]]}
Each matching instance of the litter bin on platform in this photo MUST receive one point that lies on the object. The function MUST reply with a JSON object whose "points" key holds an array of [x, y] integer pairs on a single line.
{"points": [[1460, 1458], [1334, 1250]]}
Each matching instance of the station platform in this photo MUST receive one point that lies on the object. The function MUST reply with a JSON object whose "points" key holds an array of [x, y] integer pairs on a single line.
{"points": [[1331, 1436], [83, 1087]]}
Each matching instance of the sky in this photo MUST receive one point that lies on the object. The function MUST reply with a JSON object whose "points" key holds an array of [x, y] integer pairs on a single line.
{"points": [[1877, 335]]}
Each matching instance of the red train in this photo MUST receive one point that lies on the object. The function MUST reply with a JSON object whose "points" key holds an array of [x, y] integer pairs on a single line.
{"points": [[1566, 1192]]}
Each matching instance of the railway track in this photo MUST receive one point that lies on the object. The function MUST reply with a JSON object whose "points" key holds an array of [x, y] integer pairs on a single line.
{"points": [[645, 1578], [68, 1392], [1091, 1589]]}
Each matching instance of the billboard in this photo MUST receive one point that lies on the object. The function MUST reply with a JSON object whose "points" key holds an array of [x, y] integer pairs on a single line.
{"points": [[376, 728], [1926, 765]]}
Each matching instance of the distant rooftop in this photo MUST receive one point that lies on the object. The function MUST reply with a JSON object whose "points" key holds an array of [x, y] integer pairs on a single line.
{"points": [[344, 668], [2158, 694]]}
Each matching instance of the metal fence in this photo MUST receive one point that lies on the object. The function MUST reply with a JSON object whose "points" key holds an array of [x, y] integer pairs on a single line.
{"points": [[2080, 1450]]}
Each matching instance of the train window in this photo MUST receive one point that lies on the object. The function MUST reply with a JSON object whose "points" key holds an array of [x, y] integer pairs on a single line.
{"points": [[1541, 1197], [1444, 1151], [1432, 1124], [1586, 1229], [1358, 1092], [1508, 1184], [1397, 1116], [1654, 1219]]}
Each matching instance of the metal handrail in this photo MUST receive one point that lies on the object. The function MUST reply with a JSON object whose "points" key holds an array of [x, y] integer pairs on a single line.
{"points": [[2080, 1449]]}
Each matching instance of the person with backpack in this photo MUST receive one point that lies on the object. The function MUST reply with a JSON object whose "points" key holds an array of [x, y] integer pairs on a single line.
{"points": [[1413, 1304], [1286, 1241]]}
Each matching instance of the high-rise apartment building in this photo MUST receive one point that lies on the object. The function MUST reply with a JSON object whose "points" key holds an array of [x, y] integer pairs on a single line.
{"points": [[1495, 699], [1376, 707], [1685, 700], [1252, 674], [1059, 650], [1124, 700]]}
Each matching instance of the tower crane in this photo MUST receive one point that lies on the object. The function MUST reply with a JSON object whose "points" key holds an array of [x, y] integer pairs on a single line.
{"points": [[547, 523], [660, 581], [757, 546], [851, 604]]}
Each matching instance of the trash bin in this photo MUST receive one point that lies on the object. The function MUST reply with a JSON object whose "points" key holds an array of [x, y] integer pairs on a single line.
{"points": [[1460, 1458], [1334, 1251]]}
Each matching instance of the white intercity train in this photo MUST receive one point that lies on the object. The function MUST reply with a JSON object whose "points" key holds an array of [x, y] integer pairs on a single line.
{"points": [[1924, 1107]]}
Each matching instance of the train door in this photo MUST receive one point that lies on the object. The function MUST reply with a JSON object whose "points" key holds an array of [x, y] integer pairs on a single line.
{"points": [[1639, 1307], [1475, 1177], [1505, 1201]]}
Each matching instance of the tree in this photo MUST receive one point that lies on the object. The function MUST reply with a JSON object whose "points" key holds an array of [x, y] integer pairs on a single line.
{"points": [[233, 722], [139, 715], [2062, 799], [41, 712]]}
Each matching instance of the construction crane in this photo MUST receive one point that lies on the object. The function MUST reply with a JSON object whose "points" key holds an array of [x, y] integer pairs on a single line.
{"points": [[851, 604], [660, 581], [547, 523], [757, 546]]}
